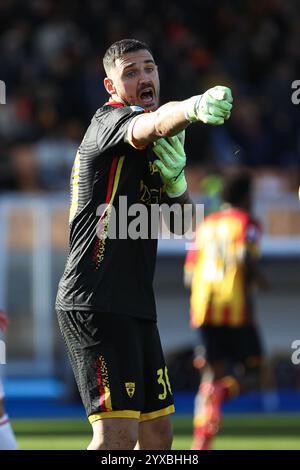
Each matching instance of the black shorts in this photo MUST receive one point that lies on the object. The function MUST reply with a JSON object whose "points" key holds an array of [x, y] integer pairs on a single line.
{"points": [[118, 364], [233, 344]]}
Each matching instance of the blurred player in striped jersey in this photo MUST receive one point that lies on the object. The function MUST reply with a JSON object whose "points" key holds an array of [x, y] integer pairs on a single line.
{"points": [[7, 437], [222, 270]]}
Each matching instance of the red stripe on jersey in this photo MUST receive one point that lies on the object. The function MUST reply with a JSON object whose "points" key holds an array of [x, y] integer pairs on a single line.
{"points": [[226, 315], [100, 385], [115, 104], [111, 178], [110, 185], [192, 256]]}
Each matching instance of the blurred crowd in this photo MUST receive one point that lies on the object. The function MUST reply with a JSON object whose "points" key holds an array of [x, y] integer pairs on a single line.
{"points": [[51, 61]]}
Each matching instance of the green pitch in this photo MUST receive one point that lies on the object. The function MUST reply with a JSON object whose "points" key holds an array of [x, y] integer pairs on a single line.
{"points": [[238, 432]]}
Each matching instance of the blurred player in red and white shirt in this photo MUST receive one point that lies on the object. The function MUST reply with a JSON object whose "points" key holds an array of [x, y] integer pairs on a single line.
{"points": [[7, 437]]}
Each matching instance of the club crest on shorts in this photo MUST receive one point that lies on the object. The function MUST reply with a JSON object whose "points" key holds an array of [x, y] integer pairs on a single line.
{"points": [[130, 388]]}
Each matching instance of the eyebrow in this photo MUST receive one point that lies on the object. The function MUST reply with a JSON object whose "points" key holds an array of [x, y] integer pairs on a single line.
{"points": [[134, 63]]}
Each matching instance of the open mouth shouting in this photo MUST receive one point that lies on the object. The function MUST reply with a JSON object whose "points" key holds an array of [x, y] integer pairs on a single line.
{"points": [[146, 97]]}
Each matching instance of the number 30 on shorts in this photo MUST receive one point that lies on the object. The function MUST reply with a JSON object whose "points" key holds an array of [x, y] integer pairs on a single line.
{"points": [[163, 380]]}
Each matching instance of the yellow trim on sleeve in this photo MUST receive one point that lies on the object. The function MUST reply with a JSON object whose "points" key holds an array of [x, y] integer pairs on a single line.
{"points": [[157, 414], [114, 414]]}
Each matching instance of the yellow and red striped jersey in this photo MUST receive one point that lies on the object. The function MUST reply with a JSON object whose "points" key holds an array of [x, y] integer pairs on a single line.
{"points": [[221, 290]]}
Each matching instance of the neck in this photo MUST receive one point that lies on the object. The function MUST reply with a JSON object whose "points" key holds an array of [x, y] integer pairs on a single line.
{"points": [[117, 99]]}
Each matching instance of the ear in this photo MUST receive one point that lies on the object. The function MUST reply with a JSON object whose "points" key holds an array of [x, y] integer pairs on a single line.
{"points": [[109, 86]]}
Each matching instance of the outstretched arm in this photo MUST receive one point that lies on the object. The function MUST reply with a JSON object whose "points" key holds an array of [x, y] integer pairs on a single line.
{"points": [[213, 107]]}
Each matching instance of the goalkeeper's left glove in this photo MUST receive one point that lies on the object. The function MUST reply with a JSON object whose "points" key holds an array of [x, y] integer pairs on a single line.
{"points": [[171, 163], [211, 108]]}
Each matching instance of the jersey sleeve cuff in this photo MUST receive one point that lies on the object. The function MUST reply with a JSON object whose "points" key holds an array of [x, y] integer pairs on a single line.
{"points": [[130, 139]]}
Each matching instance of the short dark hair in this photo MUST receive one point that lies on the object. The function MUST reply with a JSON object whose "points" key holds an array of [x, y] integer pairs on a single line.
{"points": [[119, 48], [237, 188]]}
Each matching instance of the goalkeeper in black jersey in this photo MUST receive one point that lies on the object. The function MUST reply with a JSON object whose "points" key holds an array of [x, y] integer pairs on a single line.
{"points": [[105, 303]]}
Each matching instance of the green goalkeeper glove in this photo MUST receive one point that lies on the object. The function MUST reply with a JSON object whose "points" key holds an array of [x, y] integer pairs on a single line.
{"points": [[211, 108], [171, 164]]}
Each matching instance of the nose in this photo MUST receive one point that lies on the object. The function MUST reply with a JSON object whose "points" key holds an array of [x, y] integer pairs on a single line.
{"points": [[143, 77]]}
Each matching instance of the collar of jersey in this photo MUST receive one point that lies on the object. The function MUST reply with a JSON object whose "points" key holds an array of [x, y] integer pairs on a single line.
{"points": [[116, 104]]}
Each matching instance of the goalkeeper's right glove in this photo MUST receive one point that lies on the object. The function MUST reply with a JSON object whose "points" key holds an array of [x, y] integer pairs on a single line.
{"points": [[212, 107], [171, 163]]}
